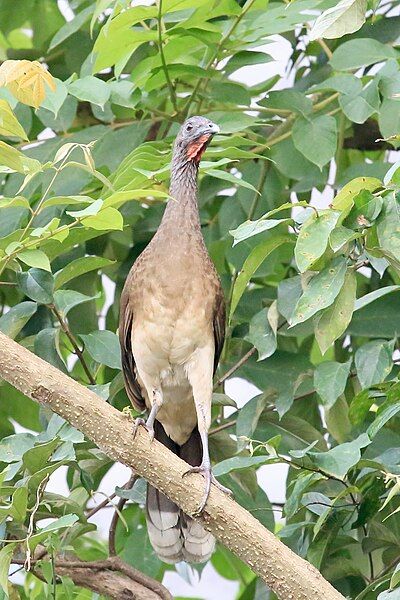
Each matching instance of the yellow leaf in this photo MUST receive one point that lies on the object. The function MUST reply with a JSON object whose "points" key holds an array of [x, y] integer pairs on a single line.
{"points": [[9, 125], [26, 80]]}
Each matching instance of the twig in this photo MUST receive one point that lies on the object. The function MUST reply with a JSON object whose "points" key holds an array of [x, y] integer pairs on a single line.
{"points": [[102, 504], [114, 521], [258, 193], [162, 56], [325, 48], [222, 427], [79, 353], [39, 491], [235, 367]]}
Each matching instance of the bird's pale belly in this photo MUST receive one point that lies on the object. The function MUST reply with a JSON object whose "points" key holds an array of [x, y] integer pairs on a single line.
{"points": [[163, 342]]}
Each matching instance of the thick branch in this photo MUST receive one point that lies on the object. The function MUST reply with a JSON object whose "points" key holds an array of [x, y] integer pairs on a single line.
{"points": [[111, 577], [283, 571]]}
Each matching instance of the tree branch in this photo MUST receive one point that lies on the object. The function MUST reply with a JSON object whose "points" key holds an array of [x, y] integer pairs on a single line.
{"points": [[282, 570], [111, 577]]}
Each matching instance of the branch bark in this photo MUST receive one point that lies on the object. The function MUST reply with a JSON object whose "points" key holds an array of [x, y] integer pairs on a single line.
{"points": [[288, 575], [111, 577]]}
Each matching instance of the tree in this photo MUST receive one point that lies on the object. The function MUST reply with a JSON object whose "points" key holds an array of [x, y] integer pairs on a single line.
{"points": [[89, 107]]}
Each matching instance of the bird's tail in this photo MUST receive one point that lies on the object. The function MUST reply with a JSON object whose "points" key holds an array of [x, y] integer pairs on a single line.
{"points": [[174, 535]]}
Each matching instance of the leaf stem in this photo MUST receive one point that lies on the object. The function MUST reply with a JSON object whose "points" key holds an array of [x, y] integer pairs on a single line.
{"points": [[79, 353], [162, 56]]}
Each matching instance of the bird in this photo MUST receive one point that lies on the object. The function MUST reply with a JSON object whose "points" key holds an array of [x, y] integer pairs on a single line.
{"points": [[171, 331]]}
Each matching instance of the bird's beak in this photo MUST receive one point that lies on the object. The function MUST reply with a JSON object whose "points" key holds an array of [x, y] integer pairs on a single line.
{"points": [[214, 129]]}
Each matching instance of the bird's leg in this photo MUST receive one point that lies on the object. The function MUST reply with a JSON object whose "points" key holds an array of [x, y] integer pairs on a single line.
{"points": [[155, 407], [200, 377], [206, 470]]}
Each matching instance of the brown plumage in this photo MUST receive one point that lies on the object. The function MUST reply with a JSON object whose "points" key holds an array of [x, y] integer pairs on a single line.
{"points": [[172, 325]]}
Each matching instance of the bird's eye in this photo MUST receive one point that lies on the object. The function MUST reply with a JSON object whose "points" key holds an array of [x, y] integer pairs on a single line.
{"points": [[189, 127]]}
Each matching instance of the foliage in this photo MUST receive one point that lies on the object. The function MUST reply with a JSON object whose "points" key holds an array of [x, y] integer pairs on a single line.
{"points": [[100, 97]]}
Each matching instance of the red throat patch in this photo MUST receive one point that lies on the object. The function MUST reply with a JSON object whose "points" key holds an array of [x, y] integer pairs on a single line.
{"points": [[197, 148]]}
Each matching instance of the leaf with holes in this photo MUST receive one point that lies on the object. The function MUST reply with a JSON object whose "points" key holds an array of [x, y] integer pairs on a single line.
{"points": [[321, 291]]}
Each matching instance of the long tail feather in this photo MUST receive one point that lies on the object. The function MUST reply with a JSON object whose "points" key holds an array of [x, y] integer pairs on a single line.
{"points": [[174, 535]]}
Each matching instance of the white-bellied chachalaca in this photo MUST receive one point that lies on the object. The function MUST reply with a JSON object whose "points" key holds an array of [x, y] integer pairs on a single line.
{"points": [[172, 325]]}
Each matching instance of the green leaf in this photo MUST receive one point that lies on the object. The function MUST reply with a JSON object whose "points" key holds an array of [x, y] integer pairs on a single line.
{"points": [[14, 320], [262, 331], [35, 258], [388, 228], [248, 417], [341, 236], [9, 125], [71, 27], [106, 219], [289, 292], [321, 291], [345, 17], [65, 300], [251, 264], [90, 89], [10, 157], [389, 117], [360, 53], [334, 320], [330, 380], [78, 267], [46, 346], [54, 99], [359, 106], [316, 139], [345, 198], [13, 447], [237, 463], [313, 238], [230, 178], [387, 411], [244, 58], [289, 100], [222, 400], [360, 406], [19, 505], [5, 560], [103, 347], [37, 457], [374, 362], [387, 325], [340, 459], [250, 228], [14, 202], [43, 534], [372, 296], [37, 285], [93, 209], [395, 580]]}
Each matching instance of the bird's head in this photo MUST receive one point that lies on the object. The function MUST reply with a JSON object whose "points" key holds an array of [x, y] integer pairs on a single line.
{"points": [[193, 138]]}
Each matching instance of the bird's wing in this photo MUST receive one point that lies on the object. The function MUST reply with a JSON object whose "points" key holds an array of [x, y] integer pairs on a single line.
{"points": [[128, 361], [219, 326]]}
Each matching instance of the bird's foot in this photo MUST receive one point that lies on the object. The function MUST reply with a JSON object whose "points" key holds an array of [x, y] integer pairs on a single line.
{"points": [[141, 422], [206, 471]]}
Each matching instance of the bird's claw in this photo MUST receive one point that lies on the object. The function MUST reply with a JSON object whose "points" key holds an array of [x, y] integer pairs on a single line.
{"points": [[209, 477], [141, 422]]}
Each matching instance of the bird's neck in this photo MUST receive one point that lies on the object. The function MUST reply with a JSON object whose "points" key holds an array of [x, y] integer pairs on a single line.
{"points": [[182, 209]]}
